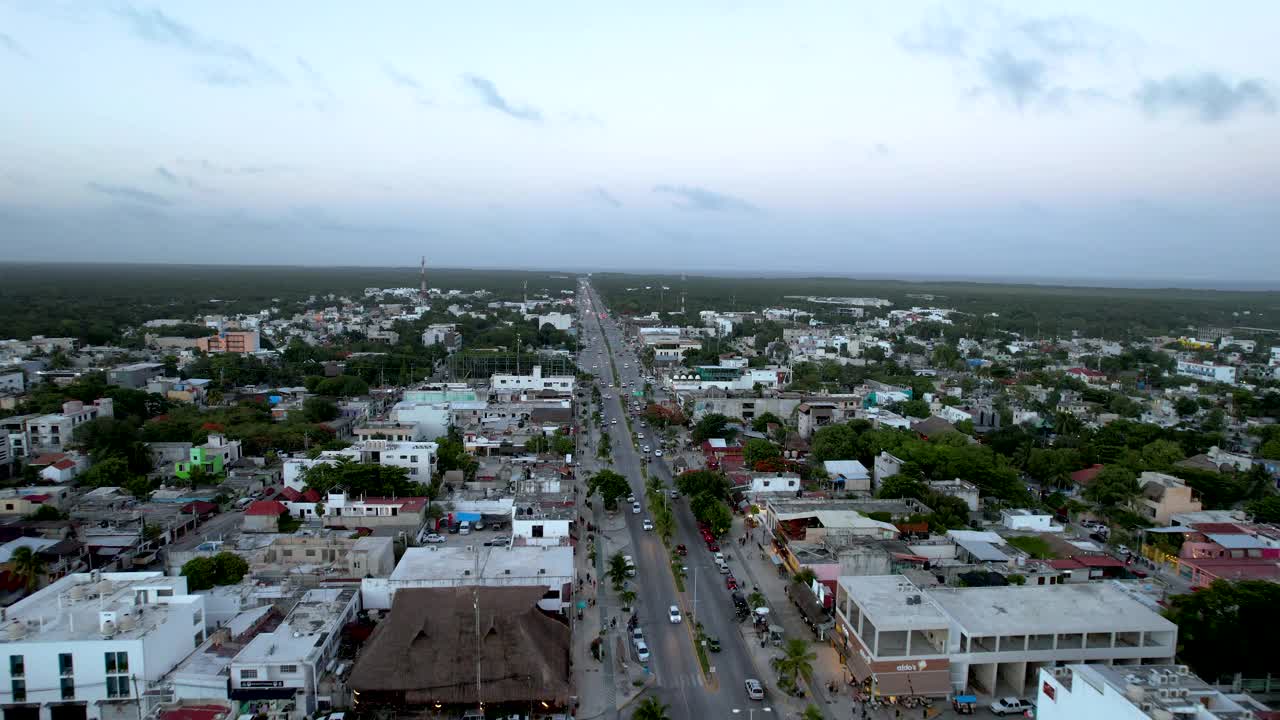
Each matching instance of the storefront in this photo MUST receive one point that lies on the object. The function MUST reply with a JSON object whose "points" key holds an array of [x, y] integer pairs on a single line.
{"points": [[924, 677]]}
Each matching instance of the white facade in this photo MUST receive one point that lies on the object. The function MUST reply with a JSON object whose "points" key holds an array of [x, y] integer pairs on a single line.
{"points": [[97, 639], [774, 483], [534, 530], [1208, 372], [1022, 519], [432, 418], [457, 566], [52, 433], [885, 466], [1131, 692], [534, 381], [418, 457], [557, 320]]}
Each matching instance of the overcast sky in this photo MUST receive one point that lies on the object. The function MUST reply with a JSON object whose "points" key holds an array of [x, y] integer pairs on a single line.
{"points": [[1089, 139]]}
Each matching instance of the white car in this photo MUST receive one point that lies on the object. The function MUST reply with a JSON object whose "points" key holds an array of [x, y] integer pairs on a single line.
{"points": [[674, 614], [433, 539], [642, 651], [755, 690], [613, 422], [635, 508], [657, 453], [639, 436], [1010, 706], [647, 524]]}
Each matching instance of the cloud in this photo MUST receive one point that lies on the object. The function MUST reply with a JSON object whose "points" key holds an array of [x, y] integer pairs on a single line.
{"points": [[688, 197], [219, 169], [604, 197], [324, 97], [404, 80], [182, 181], [1208, 96], [9, 44], [1067, 35], [938, 35], [1018, 80], [489, 95], [124, 192], [223, 77], [157, 28]]}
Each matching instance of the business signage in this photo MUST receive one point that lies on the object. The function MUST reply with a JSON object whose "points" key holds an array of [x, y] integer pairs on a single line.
{"points": [[1050, 691], [261, 683]]}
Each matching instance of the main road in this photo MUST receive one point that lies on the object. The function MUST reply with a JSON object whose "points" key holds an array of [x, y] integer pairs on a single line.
{"points": [[679, 681]]}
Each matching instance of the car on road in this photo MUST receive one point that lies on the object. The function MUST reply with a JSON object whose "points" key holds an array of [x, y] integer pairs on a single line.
{"points": [[755, 690], [613, 421], [713, 547], [637, 634], [673, 614], [642, 651], [731, 582], [639, 436], [657, 453], [1010, 706], [713, 644], [631, 498], [635, 508], [647, 524], [718, 558], [498, 541], [675, 494], [433, 538], [682, 550]]}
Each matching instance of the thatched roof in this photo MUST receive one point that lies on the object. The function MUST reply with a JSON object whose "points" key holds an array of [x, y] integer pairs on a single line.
{"points": [[426, 648]]}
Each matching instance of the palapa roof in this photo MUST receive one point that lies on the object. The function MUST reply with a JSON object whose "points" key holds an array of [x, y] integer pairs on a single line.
{"points": [[426, 648]]}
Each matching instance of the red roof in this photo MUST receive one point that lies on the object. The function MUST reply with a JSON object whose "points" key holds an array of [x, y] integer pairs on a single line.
{"points": [[407, 504], [290, 494], [1219, 528], [196, 712], [1086, 372], [200, 507], [64, 464], [310, 495], [266, 507], [1099, 561], [36, 498], [1065, 564], [48, 458], [1086, 476]]}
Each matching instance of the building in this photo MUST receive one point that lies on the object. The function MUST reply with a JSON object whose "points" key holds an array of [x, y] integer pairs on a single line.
{"points": [[419, 458], [767, 483], [1023, 519], [1162, 497], [88, 645], [213, 457], [491, 639], [443, 334], [263, 516], [393, 430], [288, 665], [52, 433], [437, 566], [817, 520], [562, 384], [1135, 692], [342, 510], [957, 488], [1208, 372], [134, 376], [230, 341], [26, 500], [886, 465], [848, 474]]}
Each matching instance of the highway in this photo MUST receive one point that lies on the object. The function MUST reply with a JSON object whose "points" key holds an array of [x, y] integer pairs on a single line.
{"points": [[680, 682]]}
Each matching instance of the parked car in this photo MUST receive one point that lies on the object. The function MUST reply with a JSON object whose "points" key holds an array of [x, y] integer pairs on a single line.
{"points": [[1010, 706], [453, 529], [713, 547], [498, 541], [731, 582], [642, 651], [433, 538], [755, 690], [682, 550], [713, 644], [635, 508], [647, 524], [673, 613]]}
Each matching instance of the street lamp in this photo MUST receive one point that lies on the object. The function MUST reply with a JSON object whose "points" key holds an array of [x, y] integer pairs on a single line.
{"points": [[751, 712]]}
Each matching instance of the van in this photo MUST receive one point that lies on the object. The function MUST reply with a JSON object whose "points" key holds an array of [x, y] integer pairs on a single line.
{"points": [[724, 567], [631, 566], [464, 528], [242, 503]]}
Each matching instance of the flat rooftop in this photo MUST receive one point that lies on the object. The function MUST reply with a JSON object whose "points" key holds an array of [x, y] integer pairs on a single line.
{"points": [[884, 599], [1047, 609], [306, 626], [1153, 678], [72, 608], [458, 564]]}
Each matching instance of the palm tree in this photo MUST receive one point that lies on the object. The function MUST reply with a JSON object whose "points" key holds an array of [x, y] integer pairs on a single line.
{"points": [[651, 708], [617, 570], [27, 567], [796, 661], [756, 599], [627, 597], [811, 713], [804, 576]]}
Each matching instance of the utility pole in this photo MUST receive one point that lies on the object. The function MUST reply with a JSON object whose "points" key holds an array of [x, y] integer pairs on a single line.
{"points": [[475, 604]]}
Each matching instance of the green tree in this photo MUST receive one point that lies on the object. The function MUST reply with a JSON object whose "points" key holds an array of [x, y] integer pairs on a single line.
{"points": [[1161, 454], [140, 487], [796, 660], [811, 712], [760, 423], [698, 482], [756, 450], [319, 409], [229, 568], [27, 567], [914, 408], [651, 708], [1265, 510], [712, 512], [617, 570], [902, 485], [109, 472], [713, 425], [804, 576], [1185, 406], [834, 442], [1114, 485], [47, 513], [1228, 628], [610, 486], [200, 572]]}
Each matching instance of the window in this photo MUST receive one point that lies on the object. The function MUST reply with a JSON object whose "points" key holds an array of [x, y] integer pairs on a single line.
{"points": [[19, 690], [68, 688], [66, 664], [197, 618], [117, 686], [537, 531], [413, 458], [311, 553], [117, 662], [17, 666], [248, 674], [288, 669]]}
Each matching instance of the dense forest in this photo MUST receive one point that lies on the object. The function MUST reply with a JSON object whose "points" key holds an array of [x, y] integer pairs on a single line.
{"points": [[1029, 310]]}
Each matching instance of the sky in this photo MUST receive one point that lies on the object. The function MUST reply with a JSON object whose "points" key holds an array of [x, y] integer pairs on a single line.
{"points": [[1086, 140]]}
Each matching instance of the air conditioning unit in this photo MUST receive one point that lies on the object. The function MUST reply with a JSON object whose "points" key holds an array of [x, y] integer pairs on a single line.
{"points": [[1163, 693], [1183, 670], [1183, 692], [1146, 707]]}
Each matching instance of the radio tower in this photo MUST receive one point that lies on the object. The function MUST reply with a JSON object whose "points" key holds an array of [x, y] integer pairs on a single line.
{"points": [[422, 286]]}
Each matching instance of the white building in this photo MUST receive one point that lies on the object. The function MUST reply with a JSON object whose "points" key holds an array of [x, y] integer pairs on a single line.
{"points": [[1134, 692], [52, 433], [433, 419], [288, 664], [419, 458], [885, 466], [557, 320], [765, 483], [1208, 372], [851, 474], [464, 565], [957, 488], [1023, 519], [534, 381], [91, 643]]}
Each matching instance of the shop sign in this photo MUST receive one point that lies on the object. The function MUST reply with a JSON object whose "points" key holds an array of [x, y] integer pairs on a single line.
{"points": [[261, 683], [1049, 691]]}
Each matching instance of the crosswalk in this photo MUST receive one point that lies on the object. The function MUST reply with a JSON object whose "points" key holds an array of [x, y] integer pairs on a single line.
{"points": [[682, 680]]}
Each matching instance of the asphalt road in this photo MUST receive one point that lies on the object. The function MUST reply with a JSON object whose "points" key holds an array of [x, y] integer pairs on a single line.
{"points": [[674, 663]]}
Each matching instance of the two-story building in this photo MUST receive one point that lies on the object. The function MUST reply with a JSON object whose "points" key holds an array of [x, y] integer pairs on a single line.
{"points": [[1162, 497], [52, 433]]}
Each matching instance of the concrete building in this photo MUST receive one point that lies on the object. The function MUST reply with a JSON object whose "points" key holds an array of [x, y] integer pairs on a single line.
{"points": [[134, 376], [760, 484], [14, 433], [230, 341], [287, 666], [419, 458], [433, 417], [52, 433], [214, 456], [1135, 692], [26, 500], [1208, 372], [1162, 497], [437, 566], [394, 430], [443, 334], [87, 646], [1023, 519], [957, 488], [501, 382], [885, 466], [329, 555], [818, 520], [848, 474]]}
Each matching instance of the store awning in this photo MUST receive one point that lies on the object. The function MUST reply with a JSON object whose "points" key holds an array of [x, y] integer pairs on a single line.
{"points": [[860, 668], [931, 683]]}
